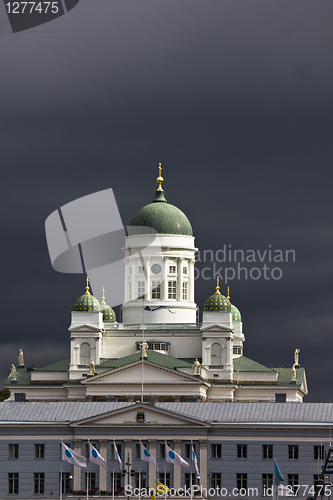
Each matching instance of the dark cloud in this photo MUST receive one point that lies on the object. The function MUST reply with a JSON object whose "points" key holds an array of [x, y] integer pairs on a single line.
{"points": [[234, 98]]}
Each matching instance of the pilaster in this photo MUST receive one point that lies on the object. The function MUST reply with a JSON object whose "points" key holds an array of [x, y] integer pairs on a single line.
{"points": [[152, 468], [103, 443], [203, 463], [77, 470], [177, 470]]}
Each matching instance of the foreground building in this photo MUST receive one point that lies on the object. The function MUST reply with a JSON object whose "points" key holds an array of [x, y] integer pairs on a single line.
{"points": [[234, 442], [181, 357]]}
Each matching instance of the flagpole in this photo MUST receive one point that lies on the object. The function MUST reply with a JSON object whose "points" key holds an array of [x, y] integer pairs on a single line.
{"points": [[61, 472], [165, 452], [114, 451], [191, 466], [143, 336], [88, 472], [140, 472]]}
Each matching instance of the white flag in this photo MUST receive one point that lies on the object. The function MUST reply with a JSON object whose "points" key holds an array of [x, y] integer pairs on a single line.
{"points": [[195, 461], [72, 457], [95, 457], [283, 491], [117, 457], [146, 456], [174, 458]]}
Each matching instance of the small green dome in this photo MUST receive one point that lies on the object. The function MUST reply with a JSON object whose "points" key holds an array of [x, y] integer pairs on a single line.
{"points": [[87, 302], [108, 312], [217, 302], [236, 315]]}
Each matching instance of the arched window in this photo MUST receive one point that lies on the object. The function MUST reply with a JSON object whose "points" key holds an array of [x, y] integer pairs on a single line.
{"points": [[216, 355], [84, 353]]}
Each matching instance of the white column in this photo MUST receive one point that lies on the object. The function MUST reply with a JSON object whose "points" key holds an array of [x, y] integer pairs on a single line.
{"points": [[147, 271], [191, 281], [152, 468], [102, 472], [203, 463], [164, 285], [179, 278], [177, 470], [77, 470]]}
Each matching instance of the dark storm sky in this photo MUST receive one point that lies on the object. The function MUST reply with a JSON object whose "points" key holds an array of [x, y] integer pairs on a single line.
{"points": [[233, 97]]}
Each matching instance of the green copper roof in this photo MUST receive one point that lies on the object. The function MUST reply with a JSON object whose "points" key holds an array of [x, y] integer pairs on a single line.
{"points": [[243, 364], [217, 302], [163, 217], [108, 312], [153, 357], [87, 303], [236, 315]]}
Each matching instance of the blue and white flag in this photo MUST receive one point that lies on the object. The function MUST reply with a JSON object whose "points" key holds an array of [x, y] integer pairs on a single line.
{"points": [[284, 491], [95, 457], [277, 473], [146, 456], [173, 457], [195, 461], [72, 457], [117, 457]]}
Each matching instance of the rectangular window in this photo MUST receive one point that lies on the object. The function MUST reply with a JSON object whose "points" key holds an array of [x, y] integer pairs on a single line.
{"points": [[39, 483], [13, 451], [237, 350], [185, 290], [117, 482], [267, 451], [66, 482], [188, 451], [162, 450], [188, 479], [216, 450], [91, 480], [156, 290], [293, 482], [242, 451], [172, 269], [318, 452], [39, 450], [164, 480], [317, 483], [141, 269], [215, 480], [184, 270], [13, 483], [130, 270], [130, 290], [241, 481], [141, 289], [143, 480], [293, 452], [267, 484], [172, 289]]}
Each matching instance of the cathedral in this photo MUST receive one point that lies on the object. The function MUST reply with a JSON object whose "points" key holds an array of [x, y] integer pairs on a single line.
{"points": [[157, 350]]}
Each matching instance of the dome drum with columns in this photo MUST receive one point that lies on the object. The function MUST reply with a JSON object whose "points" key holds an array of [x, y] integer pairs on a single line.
{"points": [[158, 349]]}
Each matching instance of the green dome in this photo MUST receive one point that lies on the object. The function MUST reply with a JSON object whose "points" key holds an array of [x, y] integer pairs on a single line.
{"points": [[108, 312], [87, 302], [217, 302], [161, 216], [236, 315]]}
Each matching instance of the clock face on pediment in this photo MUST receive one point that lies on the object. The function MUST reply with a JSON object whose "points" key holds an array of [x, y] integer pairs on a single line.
{"points": [[156, 269]]}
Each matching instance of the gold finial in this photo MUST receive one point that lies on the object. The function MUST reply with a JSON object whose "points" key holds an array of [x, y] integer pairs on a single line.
{"points": [[159, 179], [217, 286], [228, 297], [87, 287], [103, 298]]}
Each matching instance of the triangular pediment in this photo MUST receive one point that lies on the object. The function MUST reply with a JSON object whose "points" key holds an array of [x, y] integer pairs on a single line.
{"points": [[153, 374], [84, 328], [149, 415], [216, 328]]}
